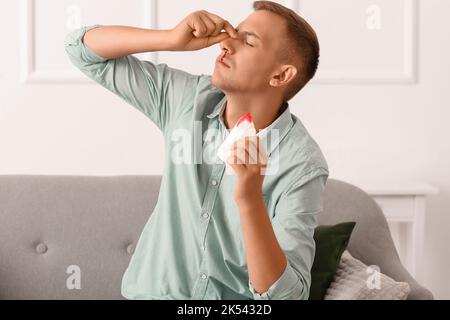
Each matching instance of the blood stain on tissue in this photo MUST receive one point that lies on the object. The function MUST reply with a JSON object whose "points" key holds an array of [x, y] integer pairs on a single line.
{"points": [[245, 117]]}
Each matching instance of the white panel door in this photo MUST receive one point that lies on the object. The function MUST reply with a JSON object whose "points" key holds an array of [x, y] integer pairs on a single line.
{"points": [[364, 40], [45, 24]]}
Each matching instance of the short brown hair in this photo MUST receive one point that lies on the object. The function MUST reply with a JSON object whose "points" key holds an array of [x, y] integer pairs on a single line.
{"points": [[302, 46]]}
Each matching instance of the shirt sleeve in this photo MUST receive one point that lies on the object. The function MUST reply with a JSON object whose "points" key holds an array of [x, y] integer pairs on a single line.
{"points": [[294, 223], [160, 92]]}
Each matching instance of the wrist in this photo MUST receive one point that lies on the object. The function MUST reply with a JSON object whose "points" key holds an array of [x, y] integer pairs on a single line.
{"points": [[161, 40], [169, 36]]}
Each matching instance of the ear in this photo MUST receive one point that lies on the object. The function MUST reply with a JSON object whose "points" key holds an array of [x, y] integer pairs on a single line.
{"points": [[284, 76]]}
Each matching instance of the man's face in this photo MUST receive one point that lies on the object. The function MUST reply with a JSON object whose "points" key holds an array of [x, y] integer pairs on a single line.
{"points": [[252, 58]]}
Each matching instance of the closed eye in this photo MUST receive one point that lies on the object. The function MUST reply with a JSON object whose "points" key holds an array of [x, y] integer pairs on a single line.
{"points": [[237, 30]]}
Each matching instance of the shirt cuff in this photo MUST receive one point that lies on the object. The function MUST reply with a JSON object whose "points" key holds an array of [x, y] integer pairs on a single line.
{"points": [[287, 286], [74, 45]]}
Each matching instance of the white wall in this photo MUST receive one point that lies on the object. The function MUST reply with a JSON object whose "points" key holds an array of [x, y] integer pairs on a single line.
{"points": [[377, 123]]}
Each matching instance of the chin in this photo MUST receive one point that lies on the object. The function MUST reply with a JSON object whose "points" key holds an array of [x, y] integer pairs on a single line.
{"points": [[220, 83], [216, 81]]}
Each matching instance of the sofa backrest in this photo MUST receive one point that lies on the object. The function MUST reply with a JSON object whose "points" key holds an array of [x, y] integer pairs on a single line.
{"points": [[56, 228]]}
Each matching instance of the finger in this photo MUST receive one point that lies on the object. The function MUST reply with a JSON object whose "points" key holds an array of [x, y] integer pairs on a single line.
{"points": [[235, 161], [238, 146], [219, 38], [210, 25], [255, 149], [256, 154], [237, 156], [213, 16], [199, 27], [261, 165], [260, 152], [249, 145], [252, 149], [215, 23], [224, 24]]}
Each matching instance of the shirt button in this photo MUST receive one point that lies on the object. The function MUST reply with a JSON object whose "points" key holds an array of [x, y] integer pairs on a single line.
{"points": [[204, 276], [130, 249], [41, 248], [206, 215], [214, 182]]}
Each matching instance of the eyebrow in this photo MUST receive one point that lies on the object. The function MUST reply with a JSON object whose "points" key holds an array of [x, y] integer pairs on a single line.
{"points": [[249, 33]]}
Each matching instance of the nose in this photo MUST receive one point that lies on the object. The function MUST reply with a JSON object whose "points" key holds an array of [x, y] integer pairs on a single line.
{"points": [[228, 45], [225, 47]]}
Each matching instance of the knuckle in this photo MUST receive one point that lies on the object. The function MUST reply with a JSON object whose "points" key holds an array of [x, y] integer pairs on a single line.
{"points": [[211, 27], [201, 29], [195, 14]]}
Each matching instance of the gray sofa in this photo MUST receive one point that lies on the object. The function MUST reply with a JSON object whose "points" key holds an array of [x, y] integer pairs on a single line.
{"points": [[55, 229]]}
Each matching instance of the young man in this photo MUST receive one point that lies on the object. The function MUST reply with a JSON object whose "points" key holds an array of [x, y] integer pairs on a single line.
{"points": [[214, 235]]}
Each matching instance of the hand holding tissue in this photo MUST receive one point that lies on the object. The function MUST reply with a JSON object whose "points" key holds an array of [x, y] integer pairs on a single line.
{"points": [[244, 128]]}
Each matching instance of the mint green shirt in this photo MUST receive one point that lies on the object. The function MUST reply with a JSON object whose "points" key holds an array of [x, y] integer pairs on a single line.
{"points": [[192, 245]]}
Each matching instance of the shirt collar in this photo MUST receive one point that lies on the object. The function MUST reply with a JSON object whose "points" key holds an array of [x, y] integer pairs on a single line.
{"points": [[218, 108], [277, 129]]}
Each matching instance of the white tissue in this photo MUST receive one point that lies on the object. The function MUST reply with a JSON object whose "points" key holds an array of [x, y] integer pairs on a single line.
{"points": [[244, 127]]}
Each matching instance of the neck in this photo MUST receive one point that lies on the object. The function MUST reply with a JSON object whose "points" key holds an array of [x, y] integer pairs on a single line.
{"points": [[264, 111]]}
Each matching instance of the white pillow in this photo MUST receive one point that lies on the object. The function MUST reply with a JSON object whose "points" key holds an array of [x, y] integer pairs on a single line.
{"points": [[354, 280]]}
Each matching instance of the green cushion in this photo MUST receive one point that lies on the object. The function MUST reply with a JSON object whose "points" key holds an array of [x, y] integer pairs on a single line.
{"points": [[331, 241]]}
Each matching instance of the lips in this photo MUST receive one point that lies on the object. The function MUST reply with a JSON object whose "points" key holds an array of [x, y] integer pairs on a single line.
{"points": [[221, 58]]}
